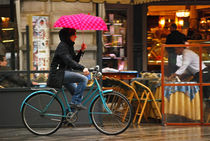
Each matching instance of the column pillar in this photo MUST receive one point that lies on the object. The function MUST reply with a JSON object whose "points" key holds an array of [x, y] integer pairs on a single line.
{"points": [[140, 37], [193, 17]]}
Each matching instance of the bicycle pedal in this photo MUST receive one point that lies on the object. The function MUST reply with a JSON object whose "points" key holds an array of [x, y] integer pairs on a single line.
{"points": [[71, 125]]}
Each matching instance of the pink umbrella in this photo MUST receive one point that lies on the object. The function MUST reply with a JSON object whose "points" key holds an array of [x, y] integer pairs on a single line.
{"points": [[81, 22]]}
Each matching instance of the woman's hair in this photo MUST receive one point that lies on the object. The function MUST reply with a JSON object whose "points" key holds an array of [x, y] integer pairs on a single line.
{"points": [[72, 31], [65, 33]]}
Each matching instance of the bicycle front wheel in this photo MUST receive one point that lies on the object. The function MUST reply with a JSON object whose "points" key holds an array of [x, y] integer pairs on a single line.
{"points": [[114, 116], [42, 114]]}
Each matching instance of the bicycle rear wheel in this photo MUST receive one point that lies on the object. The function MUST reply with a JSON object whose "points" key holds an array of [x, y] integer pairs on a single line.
{"points": [[42, 114], [117, 120]]}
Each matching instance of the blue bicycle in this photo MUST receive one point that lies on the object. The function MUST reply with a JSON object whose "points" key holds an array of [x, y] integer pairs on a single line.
{"points": [[43, 111]]}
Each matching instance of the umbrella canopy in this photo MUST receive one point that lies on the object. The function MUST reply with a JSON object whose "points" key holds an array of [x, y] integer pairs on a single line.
{"points": [[81, 22]]}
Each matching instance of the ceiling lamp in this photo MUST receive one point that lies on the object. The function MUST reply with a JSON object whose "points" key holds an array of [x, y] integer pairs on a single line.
{"points": [[162, 22], [183, 13]]}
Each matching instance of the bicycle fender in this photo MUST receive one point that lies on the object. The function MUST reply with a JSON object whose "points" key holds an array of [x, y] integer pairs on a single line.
{"points": [[37, 92], [106, 91]]}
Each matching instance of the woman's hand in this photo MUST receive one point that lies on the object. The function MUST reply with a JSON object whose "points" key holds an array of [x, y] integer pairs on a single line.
{"points": [[85, 71], [83, 47]]}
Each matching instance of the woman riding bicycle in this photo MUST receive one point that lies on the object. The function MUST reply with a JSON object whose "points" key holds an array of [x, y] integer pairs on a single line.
{"points": [[67, 60]]}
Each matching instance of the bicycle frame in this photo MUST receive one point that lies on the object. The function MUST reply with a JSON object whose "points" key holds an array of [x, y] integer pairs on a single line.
{"points": [[92, 92]]}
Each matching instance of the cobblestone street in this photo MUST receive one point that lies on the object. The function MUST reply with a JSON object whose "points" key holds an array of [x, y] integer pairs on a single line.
{"points": [[143, 132]]}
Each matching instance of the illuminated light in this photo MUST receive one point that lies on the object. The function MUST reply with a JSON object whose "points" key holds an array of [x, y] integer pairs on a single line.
{"points": [[8, 41], [149, 48], [169, 20], [149, 55], [162, 22], [181, 22], [176, 21], [202, 21], [183, 13], [6, 29], [4, 19]]}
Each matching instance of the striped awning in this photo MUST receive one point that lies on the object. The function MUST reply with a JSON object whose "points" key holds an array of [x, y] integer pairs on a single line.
{"points": [[110, 1]]}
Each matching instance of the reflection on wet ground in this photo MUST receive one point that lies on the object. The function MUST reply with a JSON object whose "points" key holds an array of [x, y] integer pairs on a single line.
{"points": [[144, 132]]}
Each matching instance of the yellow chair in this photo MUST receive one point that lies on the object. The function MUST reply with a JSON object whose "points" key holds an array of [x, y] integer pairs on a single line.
{"points": [[208, 119], [123, 88], [114, 84], [127, 90], [145, 95], [207, 101]]}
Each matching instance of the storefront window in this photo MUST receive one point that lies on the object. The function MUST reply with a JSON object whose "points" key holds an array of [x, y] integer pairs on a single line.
{"points": [[115, 44], [183, 98], [9, 44], [21, 67], [192, 21]]}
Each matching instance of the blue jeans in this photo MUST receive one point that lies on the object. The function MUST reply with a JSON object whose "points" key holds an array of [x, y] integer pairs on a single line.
{"points": [[76, 84]]}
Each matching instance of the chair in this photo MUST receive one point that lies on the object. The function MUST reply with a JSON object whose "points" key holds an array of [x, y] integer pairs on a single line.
{"points": [[145, 95], [113, 83], [208, 119], [208, 104], [125, 89], [128, 91]]}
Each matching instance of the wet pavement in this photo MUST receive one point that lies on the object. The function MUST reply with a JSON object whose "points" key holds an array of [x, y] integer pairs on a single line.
{"points": [[134, 133]]}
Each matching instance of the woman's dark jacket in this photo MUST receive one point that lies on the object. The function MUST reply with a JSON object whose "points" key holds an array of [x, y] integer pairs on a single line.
{"points": [[64, 58]]}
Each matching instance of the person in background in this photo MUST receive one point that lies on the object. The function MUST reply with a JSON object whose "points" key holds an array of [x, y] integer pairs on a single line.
{"points": [[10, 79], [66, 59], [2, 47], [190, 33], [175, 37], [191, 62]]}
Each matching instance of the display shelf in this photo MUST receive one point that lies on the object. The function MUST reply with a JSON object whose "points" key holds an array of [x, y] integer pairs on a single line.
{"points": [[116, 58], [117, 24], [114, 53], [113, 46], [119, 35]]}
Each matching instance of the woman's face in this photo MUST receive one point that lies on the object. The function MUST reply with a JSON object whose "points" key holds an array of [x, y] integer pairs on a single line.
{"points": [[73, 37]]}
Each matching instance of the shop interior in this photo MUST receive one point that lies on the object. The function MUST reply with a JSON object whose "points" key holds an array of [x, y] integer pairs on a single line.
{"points": [[115, 43], [191, 20]]}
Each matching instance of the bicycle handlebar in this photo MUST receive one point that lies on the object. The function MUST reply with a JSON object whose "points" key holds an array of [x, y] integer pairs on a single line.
{"points": [[94, 69]]}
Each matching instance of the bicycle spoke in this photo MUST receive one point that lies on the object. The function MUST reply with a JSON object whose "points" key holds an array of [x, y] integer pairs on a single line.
{"points": [[115, 122], [42, 114]]}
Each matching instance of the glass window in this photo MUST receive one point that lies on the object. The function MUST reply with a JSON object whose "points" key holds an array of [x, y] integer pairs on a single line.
{"points": [[115, 44]]}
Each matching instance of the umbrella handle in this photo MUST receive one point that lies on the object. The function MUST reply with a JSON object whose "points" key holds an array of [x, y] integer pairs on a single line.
{"points": [[83, 36]]}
